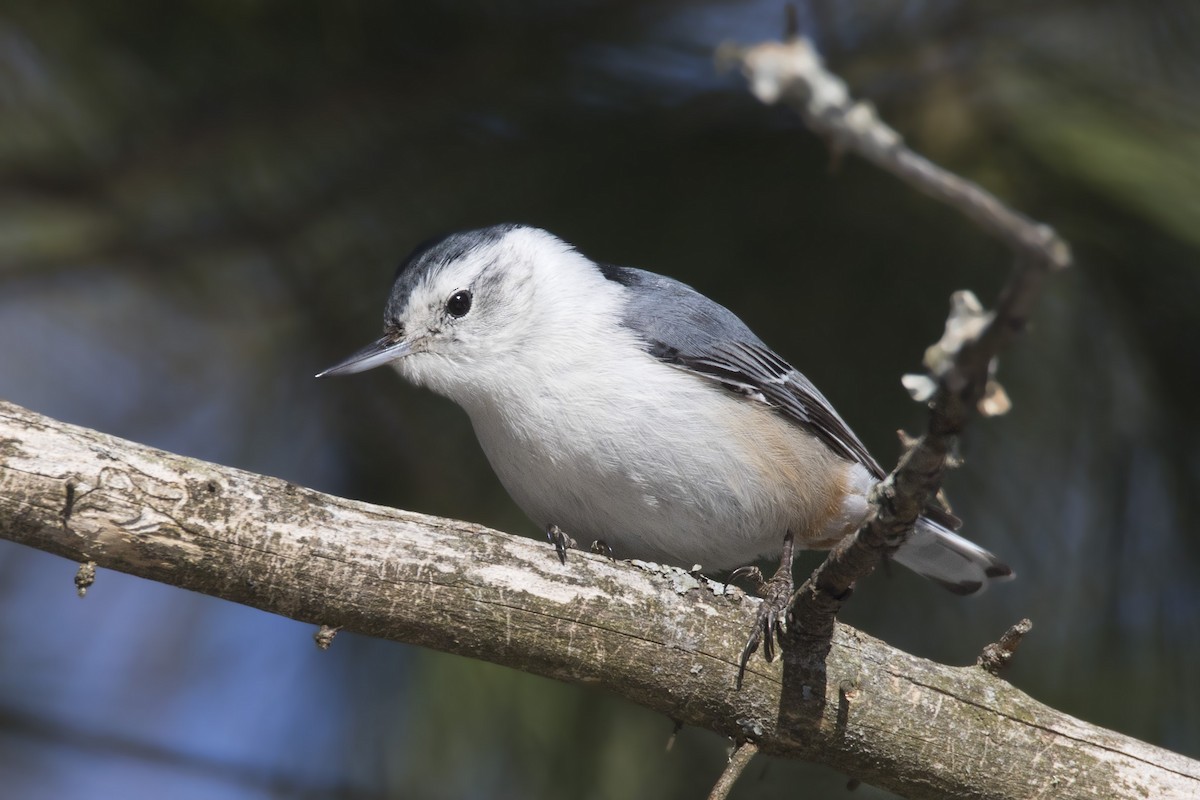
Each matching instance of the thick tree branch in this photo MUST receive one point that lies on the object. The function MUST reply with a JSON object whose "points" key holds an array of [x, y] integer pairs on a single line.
{"points": [[658, 636]]}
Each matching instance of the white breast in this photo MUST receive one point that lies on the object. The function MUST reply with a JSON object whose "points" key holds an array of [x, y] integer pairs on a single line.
{"points": [[588, 431], [658, 463]]}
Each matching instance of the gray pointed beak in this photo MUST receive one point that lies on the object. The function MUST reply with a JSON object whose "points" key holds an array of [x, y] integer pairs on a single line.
{"points": [[375, 354]]}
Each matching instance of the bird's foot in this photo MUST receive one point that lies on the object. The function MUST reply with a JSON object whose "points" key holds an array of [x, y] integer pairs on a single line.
{"points": [[776, 593], [601, 548], [562, 543]]}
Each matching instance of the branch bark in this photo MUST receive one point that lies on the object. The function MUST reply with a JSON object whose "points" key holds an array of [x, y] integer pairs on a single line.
{"points": [[658, 636]]}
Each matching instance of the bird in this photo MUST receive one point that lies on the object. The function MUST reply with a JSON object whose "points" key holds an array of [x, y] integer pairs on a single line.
{"points": [[625, 408]]}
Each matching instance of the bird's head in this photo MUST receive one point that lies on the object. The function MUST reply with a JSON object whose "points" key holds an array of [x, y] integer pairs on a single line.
{"points": [[466, 308]]}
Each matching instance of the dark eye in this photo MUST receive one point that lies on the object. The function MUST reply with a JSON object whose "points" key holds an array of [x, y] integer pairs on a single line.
{"points": [[459, 303]]}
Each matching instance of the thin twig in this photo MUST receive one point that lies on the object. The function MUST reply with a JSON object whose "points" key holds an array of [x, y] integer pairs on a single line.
{"points": [[793, 72], [996, 657], [960, 365], [738, 760]]}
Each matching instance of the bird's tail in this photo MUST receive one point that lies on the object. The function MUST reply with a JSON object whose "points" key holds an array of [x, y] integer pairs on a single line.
{"points": [[937, 553]]}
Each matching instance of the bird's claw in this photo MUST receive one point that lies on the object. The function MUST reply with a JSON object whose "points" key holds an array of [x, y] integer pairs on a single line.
{"points": [[562, 543], [753, 573], [776, 594], [601, 548], [560, 540]]}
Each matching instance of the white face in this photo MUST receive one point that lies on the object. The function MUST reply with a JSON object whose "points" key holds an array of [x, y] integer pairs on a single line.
{"points": [[484, 311], [460, 317]]}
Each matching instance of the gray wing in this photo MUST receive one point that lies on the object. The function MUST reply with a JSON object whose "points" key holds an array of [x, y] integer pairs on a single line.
{"points": [[687, 330]]}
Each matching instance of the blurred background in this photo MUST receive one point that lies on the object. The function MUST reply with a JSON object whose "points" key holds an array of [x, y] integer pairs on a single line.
{"points": [[201, 205]]}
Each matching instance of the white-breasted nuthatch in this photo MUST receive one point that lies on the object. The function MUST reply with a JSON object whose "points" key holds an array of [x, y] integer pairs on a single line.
{"points": [[626, 407]]}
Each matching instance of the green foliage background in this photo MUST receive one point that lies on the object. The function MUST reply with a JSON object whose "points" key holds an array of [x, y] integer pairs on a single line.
{"points": [[201, 205]]}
